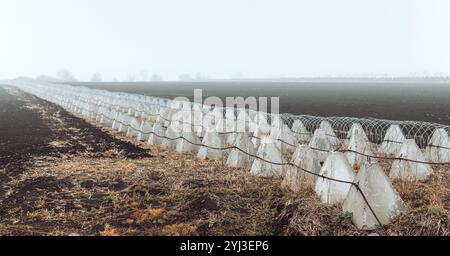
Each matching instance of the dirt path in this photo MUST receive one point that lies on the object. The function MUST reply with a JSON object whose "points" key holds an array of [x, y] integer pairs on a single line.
{"points": [[61, 175]]}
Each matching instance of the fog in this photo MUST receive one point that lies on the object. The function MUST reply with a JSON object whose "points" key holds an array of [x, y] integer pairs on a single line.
{"points": [[133, 39]]}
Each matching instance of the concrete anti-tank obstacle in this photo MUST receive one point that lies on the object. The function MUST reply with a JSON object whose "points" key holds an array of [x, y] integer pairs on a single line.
{"points": [[438, 149], [133, 128], [117, 118], [225, 128], [286, 140], [359, 149], [237, 158], [337, 167], [326, 126], [356, 128], [125, 120], [217, 113], [300, 131], [102, 111], [229, 114], [380, 194], [259, 119], [165, 116], [211, 140], [155, 137], [187, 143], [296, 178], [230, 126], [145, 130], [261, 131], [197, 123], [173, 133], [393, 140], [269, 151], [106, 119], [321, 144], [243, 121], [405, 170]]}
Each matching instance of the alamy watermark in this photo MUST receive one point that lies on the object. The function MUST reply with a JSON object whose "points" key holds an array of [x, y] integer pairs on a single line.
{"points": [[235, 114]]}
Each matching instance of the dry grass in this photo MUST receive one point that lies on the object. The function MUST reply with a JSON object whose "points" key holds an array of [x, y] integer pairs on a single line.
{"points": [[59, 143]]}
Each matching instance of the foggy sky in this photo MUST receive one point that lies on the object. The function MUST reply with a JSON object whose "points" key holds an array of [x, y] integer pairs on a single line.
{"points": [[259, 38]]}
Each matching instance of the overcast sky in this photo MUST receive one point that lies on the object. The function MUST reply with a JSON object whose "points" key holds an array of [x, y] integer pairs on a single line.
{"points": [[260, 38]]}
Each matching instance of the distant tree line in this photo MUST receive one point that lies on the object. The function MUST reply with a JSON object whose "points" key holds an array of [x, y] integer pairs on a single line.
{"points": [[65, 75]]}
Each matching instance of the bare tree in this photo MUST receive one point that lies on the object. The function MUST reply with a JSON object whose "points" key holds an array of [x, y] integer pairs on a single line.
{"points": [[200, 76], [237, 75], [144, 75], [131, 78], [185, 77], [96, 77], [65, 75], [157, 78]]}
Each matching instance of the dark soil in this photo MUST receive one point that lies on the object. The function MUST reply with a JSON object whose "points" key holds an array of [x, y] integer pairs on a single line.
{"points": [[29, 125], [34, 132]]}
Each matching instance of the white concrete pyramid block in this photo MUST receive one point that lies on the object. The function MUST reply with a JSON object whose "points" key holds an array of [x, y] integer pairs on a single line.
{"points": [[208, 125], [243, 121], [164, 116], [237, 158], [188, 144], [410, 170], [438, 149], [262, 130], [258, 121], [357, 128], [225, 127], [106, 117], [125, 121], [269, 151], [286, 140], [117, 120], [231, 138], [145, 130], [381, 195], [211, 150], [297, 178], [359, 148], [197, 122], [393, 140], [326, 126], [321, 144], [133, 128], [276, 121], [229, 114], [157, 131], [173, 133], [300, 131], [337, 167]]}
